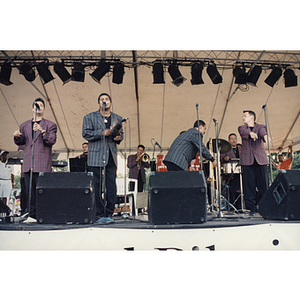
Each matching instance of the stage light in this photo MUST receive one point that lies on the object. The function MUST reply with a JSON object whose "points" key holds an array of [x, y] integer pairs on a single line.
{"points": [[44, 72], [240, 75], [27, 71], [118, 73], [158, 73], [290, 79], [175, 74], [5, 74], [78, 72], [196, 72], [254, 75], [214, 74], [100, 71], [62, 72], [273, 76]]}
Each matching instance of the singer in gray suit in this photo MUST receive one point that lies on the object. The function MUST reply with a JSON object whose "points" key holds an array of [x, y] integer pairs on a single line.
{"points": [[98, 130], [45, 138], [185, 147], [253, 159]]}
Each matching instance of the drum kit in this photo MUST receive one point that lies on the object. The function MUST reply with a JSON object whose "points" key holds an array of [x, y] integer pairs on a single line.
{"points": [[226, 170]]}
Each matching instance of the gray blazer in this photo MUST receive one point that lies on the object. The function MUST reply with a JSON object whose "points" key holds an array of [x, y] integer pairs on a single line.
{"points": [[185, 147], [92, 130], [253, 149]]}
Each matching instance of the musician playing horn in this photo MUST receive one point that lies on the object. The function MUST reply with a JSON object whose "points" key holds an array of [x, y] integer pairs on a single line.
{"points": [[137, 164]]}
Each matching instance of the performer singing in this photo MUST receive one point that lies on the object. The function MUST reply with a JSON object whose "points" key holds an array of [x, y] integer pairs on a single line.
{"points": [[234, 179], [45, 138], [253, 159], [185, 147], [97, 130], [137, 167]]}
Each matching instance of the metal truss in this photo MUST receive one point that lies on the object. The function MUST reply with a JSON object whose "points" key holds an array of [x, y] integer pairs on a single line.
{"points": [[226, 59]]}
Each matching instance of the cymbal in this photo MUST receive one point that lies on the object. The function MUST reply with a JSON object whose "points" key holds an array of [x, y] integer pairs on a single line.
{"points": [[223, 145]]}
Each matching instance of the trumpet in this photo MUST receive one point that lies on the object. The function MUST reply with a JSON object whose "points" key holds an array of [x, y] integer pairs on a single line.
{"points": [[145, 157]]}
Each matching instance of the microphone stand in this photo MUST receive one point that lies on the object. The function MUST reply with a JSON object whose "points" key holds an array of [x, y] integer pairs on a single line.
{"points": [[102, 183], [264, 107], [31, 165], [199, 139], [218, 170], [125, 214]]}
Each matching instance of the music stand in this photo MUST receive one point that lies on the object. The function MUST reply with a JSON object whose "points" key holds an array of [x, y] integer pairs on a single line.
{"points": [[78, 164]]}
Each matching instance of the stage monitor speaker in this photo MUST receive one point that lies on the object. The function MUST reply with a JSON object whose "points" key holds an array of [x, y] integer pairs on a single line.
{"points": [[177, 198], [65, 198], [282, 199]]}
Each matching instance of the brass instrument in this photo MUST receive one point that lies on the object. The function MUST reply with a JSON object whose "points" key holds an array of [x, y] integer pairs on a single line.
{"points": [[145, 157]]}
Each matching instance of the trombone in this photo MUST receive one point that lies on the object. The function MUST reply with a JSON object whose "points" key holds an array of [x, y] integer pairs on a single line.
{"points": [[145, 157]]}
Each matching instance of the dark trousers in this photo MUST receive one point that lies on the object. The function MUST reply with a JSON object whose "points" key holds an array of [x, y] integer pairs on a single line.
{"points": [[255, 184], [105, 209], [140, 182], [32, 204]]}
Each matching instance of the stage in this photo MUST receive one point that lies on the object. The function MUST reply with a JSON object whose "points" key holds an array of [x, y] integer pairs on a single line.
{"points": [[232, 231]]}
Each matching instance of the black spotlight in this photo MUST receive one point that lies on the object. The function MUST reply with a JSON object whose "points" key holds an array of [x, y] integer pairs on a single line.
{"points": [[62, 72], [78, 72], [196, 72], [158, 73], [118, 73], [273, 76], [27, 70], [100, 71], [5, 74], [178, 79], [214, 74], [240, 75], [290, 79], [254, 75], [44, 72]]}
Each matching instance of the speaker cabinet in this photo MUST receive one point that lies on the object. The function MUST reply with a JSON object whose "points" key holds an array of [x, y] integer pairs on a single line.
{"points": [[64, 198], [177, 198], [282, 199]]}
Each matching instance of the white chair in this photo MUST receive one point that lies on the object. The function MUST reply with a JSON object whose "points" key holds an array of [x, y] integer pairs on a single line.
{"points": [[132, 195]]}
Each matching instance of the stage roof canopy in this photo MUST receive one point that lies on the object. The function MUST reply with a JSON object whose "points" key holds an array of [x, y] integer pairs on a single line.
{"points": [[156, 111]]}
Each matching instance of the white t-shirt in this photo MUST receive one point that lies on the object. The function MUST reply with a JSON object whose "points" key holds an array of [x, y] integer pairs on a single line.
{"points": [[5, 170]]}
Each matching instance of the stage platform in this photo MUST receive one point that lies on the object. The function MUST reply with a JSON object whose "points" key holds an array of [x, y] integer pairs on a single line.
{"points": [[231, 231]]}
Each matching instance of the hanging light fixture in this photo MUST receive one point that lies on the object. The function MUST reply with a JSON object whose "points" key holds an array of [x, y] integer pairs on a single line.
{"points": [[62, 72], [44, 72], [175, 74], [196, 72], [290, 79], [5, 74], [214, 74], [240, 75], [78, 72], [158, 73], [100, 71], [118, 73], [27, 71], [254, 75], [273, 76]]}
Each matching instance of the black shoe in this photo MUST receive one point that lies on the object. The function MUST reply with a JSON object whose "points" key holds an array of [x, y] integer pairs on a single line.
{"points": [[252, 213]]}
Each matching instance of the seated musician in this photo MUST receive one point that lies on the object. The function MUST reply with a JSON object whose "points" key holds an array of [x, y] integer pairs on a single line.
{"points": [[234, 179]]}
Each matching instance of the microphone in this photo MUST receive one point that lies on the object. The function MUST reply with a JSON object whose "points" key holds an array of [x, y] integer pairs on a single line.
{"points": [[37, 106], [263, 106], [157, 144], [104, 103], [215, 120], [124, 120]]}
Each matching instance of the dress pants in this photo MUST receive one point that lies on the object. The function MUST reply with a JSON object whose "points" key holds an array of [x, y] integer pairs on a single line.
{"points": [[255, 184], [105, 209], [35, 177]]}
